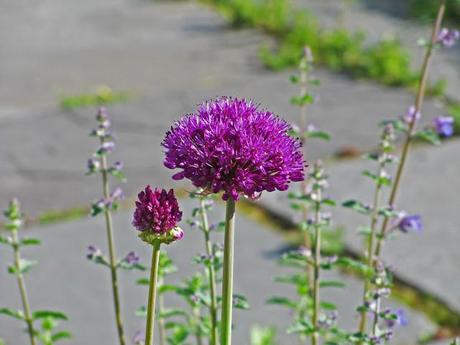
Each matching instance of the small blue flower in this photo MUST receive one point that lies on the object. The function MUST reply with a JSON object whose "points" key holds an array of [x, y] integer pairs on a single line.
{"points": [[444, 126], [410, 223]]}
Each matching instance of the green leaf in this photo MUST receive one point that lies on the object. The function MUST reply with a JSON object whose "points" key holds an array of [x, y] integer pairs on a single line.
{"points": [[331, 283], [29, 242], [41, 314], [24, 266], [167, 288], [318, 135], [328, 306], [356, 266], [357, 206], [282, 301], [301, 327], [240, 302], [428, 135], [302, 100], [61, 335], [294, 79], [172, 312], [291, 279], [141, 311], [5, 240], [328, 202], [17, 314], [143, 281]]}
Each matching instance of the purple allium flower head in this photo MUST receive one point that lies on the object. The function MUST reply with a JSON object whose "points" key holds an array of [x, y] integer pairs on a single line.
{"points": [[412, 114], [448, 37], [132, 258], [156, 211], [231, 145], [444, 126], [409, 223]]}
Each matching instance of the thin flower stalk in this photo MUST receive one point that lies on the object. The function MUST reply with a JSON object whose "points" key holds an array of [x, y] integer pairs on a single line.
{"points": [[22, 289], [161, 321], [111, 245], [211, 273], [413, 121], [227, 284]]}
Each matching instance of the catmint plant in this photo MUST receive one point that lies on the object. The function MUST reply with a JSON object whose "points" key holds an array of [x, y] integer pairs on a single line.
{"points": [[45, 333], [98, 164], [306, 131], [156, 216], [229, 145], [312, 317]]}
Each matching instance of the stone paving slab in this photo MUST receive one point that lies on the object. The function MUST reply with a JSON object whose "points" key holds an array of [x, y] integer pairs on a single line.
{"points": [[64, 280], [171, 56], [430, 188]]}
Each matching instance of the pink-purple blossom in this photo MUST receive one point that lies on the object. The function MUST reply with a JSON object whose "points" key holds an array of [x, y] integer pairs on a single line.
{"points": [[157, 212], [230, 145], [448, 37]]}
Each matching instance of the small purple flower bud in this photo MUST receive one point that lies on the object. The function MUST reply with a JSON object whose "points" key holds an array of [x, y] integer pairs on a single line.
{"points": [[107, 147], [304, 251], [103, 118], [93, 165], [444, 126], [447, 37], [177, 233], [410, 223], [138, 338], [117, 194], [412, 115], [132, 258], [93, 252], [118, 166], [311, 128], [401, 319]]}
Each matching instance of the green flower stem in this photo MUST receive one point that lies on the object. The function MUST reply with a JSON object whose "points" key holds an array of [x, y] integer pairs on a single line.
{"points": [[227, 285], [316, 277], [112, 254], [211, 274], [197, 321], [303, 128], [22, 289], [370, 246], [418, 106], [376, 317], [149, 328], [161, 321]]}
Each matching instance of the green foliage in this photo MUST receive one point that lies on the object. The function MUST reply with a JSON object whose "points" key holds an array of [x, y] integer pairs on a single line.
{"points": [[426, 10], [104, 95], [52, 216], [340, 50], [263, 335]]}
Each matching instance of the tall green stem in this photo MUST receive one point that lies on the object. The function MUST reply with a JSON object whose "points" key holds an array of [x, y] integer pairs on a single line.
{"points": [[112, 255], [317, 266], [22, 289], [211, 274], [418, 107], [150, 325], [227, 284], [370, 246]]}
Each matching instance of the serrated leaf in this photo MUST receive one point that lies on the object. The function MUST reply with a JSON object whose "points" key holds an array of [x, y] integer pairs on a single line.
{"points": [[41, 314], [17, 314]]}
